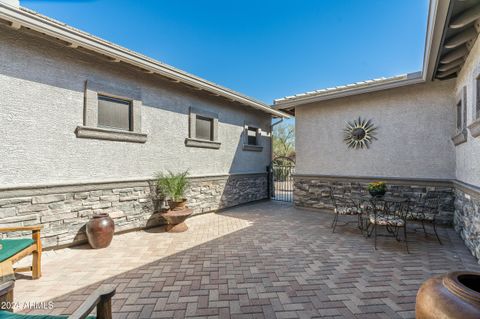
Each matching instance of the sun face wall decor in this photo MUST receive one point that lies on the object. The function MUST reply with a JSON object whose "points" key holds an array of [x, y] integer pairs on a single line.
{"points": [[359, 133]]}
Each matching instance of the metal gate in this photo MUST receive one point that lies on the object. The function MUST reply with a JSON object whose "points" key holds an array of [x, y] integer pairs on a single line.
{"points": [[281, 179]]}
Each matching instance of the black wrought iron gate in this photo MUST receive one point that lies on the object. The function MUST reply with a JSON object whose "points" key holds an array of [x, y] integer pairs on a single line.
{"points": [[281, 179]]}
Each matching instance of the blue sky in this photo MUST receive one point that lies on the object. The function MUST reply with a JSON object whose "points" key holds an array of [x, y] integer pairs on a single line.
{"points": [[265, 49]]}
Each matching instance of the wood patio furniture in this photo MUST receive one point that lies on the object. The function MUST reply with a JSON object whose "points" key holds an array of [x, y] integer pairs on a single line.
{"points": [[14, 249], [101, 299]]}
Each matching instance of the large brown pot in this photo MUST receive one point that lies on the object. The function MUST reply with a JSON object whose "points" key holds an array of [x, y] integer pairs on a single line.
{"points": [[453, 295], [176, 220], [100, 229]]}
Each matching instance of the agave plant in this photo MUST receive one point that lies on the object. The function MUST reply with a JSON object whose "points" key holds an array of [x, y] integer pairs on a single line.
{"points": [[172, 185]]}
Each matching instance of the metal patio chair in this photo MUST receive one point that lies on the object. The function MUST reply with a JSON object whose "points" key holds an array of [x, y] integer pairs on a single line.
{"points": [[344, 206], [392, 215], [426, 213]]}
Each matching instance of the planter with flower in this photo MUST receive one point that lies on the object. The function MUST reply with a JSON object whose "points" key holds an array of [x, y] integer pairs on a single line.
{"points": [[173, 186], [377, 189]]}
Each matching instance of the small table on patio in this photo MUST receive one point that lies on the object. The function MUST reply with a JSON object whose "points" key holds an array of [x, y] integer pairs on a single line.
{"points": [[388, 211]]}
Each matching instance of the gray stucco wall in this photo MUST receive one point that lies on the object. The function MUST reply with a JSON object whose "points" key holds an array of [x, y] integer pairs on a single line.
{"points": [[415, 124], [42, 102], [468, 153]]}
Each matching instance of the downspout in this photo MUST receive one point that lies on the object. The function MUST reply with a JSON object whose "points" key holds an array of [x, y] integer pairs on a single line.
{"points": [[281, 120]]}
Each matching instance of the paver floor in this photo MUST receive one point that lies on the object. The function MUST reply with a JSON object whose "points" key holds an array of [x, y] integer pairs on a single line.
{"points": [[265, 260]]}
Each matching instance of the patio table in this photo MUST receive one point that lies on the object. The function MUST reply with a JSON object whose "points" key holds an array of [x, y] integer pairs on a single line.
{"points": [[388, 211]]}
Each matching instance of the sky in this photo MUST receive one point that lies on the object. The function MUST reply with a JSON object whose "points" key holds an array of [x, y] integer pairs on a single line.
{"points": [[264, 49]]}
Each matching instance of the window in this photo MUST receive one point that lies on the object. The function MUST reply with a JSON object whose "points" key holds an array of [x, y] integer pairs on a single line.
{"points": [[459, 116], [474, 127], [204, 128], [114, 113], [461, 123], [252, 140], [252, 136]]}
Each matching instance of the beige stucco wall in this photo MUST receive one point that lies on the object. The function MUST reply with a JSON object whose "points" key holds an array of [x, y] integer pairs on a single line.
{"points": [[468, 153], [414, 123], [42, 102]]}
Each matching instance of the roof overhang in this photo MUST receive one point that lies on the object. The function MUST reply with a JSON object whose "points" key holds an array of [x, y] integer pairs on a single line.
{"points": [[24, 18], [288, 104], [459, 34], [437, 20]]}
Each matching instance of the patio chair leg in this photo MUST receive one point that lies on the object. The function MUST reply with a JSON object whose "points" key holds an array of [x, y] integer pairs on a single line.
{"points": [[424, 230], [375, 236], [435, 231], [335, 220], [37, 256], [405, 237], [369, 233]]}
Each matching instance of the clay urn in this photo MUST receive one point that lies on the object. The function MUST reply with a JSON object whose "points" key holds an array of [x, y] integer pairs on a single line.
{"points": [[453, 295], [175, 219], [100, 229]]}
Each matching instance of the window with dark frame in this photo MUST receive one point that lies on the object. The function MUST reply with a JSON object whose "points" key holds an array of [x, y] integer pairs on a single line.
{"points": [[252, 135], [114, 113], [459, 116], [204, 128]]}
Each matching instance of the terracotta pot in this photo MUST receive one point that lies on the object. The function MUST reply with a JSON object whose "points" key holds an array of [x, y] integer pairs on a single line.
{"points": [[176, 220], [180, 205], [100, 229], [453, 295]]}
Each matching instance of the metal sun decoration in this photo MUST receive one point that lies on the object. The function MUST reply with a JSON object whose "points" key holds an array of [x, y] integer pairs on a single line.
{"points": [[359, 133]]}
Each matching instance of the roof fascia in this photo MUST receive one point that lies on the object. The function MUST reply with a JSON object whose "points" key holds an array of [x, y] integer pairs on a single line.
{"points": [[52, 28], [355, 91]]}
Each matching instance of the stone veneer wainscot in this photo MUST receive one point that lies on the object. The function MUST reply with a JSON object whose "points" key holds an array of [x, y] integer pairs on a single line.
{"points": [[65, 209], [313, 191], [467, 216]]}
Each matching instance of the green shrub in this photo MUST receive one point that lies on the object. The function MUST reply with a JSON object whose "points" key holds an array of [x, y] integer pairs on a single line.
{"points": [[377, 187], [172, 185]]}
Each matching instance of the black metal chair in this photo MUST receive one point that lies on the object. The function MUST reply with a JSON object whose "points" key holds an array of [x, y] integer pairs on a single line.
{"points": [[426, 212], [389, 214], [344, 206]]}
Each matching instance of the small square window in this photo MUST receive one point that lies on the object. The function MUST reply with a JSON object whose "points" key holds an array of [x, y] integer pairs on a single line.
{"points": [[252, 136], [204, 128], [114, 113]]}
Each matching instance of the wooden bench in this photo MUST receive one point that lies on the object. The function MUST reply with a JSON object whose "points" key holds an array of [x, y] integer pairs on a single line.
{"points": [[101, 299], [14, 249]]}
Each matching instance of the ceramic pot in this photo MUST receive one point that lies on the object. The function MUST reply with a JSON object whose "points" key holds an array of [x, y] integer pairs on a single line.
{"points": [[176, 220], [180, 205], [100, 229], [377, 193], [453, 295]]}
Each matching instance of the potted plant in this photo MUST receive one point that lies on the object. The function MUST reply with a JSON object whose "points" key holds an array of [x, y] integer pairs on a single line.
{"points": [[172, 187], [377, 188]]}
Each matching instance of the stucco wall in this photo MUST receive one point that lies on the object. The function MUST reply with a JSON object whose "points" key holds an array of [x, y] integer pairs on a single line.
{"points": [[42, 102], [468, 153], [415, 124]]}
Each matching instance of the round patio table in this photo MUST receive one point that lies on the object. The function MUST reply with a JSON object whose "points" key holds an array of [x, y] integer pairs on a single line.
{"points": [[363, 201]]}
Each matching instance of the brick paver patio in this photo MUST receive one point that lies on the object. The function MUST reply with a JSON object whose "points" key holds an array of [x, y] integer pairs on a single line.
{"points": [[266, 260]]}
